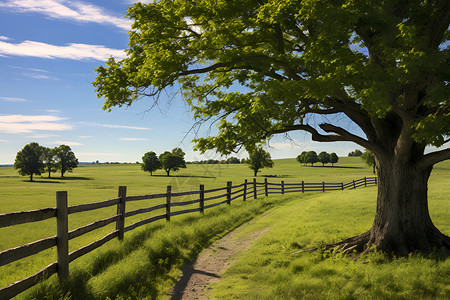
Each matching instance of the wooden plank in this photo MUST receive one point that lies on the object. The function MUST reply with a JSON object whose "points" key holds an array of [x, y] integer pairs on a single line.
{"points": [[168, 200], [95, 225], [215, 197], [215, 190], [202, 198], [120, 223], [229, 185], [144, 210], [62, 235], [235, 197], [173, 204], [237, 191], [143, 222], [216, 204], [91, 206], [21, 217], [185, 193], [13, 254], [92, 246], [186, 211], [18, 287], [145, 197]]}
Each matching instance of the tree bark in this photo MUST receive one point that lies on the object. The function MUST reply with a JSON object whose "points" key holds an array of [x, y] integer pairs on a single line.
{"points": [[402, 222]]}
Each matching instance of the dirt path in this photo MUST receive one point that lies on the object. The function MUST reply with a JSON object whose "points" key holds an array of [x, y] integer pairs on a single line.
{"points": [[211, 263]]}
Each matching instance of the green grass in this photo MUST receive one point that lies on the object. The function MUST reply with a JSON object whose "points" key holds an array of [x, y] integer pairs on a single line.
{"points": [[143, 248], [273, 268]]}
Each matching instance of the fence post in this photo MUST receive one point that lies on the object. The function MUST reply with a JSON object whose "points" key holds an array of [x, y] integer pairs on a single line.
{"points": [[365, 181], [303, 186], [202, 198], [120, 223], [229, 183], [342, 185], [282, 187], [266, 187], [168, 199], [62, 235], [255, 196], [354, 186], [244, 197]]}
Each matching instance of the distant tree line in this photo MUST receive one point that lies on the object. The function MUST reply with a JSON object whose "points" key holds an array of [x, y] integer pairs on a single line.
{"points": [[231, 160], [35, 159], [356, 153], [168, 161], [311, 157]]}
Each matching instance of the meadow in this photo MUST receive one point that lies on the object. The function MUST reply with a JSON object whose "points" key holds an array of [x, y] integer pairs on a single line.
{"points": [[159, 250]]}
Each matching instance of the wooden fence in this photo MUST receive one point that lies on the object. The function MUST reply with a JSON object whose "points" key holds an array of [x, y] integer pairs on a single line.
{"points": [[246, 190]]}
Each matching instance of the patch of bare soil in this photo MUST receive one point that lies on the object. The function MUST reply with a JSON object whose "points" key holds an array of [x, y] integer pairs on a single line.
{"points": [[211, 263]]}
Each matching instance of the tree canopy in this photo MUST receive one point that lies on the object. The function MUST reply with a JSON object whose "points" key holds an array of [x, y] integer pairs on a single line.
{"points": [[150, 162], [28, 160], [65, 159], [172, 161], [259, 159], [260, 68]]}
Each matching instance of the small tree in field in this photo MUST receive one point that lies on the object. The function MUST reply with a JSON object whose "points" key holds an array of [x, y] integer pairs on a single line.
{"points": [[28, 160], [311, 158], [48, 159], [150, 162], [333, 158], [258, 160], [369, 159], [324, 158], [65, 159], [172, 161]]}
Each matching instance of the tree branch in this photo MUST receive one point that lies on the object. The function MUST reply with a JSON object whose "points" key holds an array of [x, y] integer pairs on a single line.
{"points": [[342, 135], [433, 158]]}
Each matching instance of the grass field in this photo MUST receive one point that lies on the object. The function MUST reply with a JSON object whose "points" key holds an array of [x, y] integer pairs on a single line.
{"points": [[92, 183]]}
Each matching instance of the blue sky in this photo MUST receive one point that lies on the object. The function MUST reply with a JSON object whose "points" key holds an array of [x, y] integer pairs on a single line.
{"points": [[48, 52]]}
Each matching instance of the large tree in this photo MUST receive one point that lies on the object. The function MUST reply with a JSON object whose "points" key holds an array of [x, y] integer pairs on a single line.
{"points": [[271, 67], [66, 160], [28, 160], [259, 159]]}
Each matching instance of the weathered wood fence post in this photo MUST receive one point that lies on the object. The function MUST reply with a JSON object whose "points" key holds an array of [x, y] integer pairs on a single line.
{"points": [[120, 223], [342, 185], [365, 181], [282, 187], [303, 186], [266, 187], [244, 197], [62, 235], [354, 186], [229, 184], [202, 198], [255, 195], [323, 186], [168, 200]]}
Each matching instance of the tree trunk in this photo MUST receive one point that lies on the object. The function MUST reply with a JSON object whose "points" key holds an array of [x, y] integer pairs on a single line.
{"points": [[31, 177], [255, 173], [402, 222]]}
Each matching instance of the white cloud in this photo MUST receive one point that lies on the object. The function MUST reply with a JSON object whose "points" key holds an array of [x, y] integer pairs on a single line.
{"points": [[66, 143], [10, 99], [29, 124], [114, 126], [70, 51], [42, 136], [85, 136], [4, 38], [3, 141], [69, 10], [89, 155], [133, 139]]}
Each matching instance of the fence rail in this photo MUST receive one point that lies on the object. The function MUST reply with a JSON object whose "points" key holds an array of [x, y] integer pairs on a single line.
{"points": [[245, 190]]}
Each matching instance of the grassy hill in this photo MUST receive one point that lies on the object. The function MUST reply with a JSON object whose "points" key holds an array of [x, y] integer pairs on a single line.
{"points": [[92, 183]]}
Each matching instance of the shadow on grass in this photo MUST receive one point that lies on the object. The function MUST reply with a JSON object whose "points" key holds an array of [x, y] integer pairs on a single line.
{"points": [[277, 176], [184, 176]]}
